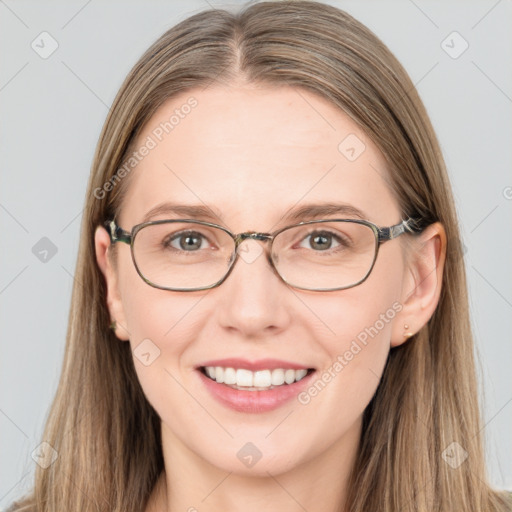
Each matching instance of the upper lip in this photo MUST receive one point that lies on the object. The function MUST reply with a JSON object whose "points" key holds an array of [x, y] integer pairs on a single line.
{"points": [[260, 364]]}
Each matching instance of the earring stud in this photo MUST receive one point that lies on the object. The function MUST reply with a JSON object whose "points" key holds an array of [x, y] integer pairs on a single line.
{"points": [[407, 334], [113, 325]]}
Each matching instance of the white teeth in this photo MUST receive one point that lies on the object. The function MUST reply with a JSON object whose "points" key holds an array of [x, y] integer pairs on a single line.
{"points": [[229, 376], [219, 374], [277, 377], [260, 379], [289, 376], [299, 374], [243, 377]]}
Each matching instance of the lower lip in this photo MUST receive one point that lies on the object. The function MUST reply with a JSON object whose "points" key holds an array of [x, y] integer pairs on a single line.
{"points": [[254, 401]]}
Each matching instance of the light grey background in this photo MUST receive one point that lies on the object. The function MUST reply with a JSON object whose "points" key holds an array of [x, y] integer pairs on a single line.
{"points": [[52, 113]]}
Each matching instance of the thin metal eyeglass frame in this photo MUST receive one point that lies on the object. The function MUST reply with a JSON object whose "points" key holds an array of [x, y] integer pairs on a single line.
{"points": [[382, 234]]}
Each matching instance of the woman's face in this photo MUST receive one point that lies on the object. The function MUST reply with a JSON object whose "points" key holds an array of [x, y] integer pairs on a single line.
{"points": [[252, 155]]}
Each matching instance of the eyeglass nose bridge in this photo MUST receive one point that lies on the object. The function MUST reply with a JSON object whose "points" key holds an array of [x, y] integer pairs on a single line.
{"points": [[252, 235]]}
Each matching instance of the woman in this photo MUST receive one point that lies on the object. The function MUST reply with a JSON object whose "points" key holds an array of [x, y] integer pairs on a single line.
{"points": [[270, 235]]}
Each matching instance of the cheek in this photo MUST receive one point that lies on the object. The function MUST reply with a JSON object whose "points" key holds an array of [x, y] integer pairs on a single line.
{"points": [[161, 325], [357, 343], [365, 312], [161, 331], [151, 313]]}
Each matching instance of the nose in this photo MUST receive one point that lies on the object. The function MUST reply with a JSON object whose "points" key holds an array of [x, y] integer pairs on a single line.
{"points": [[253, 299]]}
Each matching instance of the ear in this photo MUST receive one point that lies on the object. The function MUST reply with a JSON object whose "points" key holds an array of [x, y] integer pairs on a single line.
{"points": [[115, 306], [422, 282]]}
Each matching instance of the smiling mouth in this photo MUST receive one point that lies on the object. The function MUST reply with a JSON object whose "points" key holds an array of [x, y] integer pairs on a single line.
{"points": [[246, 380]]}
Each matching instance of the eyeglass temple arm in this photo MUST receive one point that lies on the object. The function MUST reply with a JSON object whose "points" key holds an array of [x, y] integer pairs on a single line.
{"points": [[407, 225], [116, 233]]}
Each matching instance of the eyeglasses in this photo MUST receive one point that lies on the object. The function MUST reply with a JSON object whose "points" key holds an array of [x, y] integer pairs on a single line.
{"points": [[317, 255]]}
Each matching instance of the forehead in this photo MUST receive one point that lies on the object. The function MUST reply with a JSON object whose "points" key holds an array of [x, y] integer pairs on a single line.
{"points": [[252, 154]]}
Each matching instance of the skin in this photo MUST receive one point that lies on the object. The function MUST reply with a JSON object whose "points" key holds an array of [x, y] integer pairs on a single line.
{"points": [[253, 153]]}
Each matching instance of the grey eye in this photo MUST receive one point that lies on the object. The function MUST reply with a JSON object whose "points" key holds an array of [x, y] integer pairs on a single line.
{"points": [[187, 241], [321, 240]]}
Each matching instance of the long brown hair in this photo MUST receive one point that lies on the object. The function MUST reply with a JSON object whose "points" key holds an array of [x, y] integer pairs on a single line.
{"points": [[105, 432]]}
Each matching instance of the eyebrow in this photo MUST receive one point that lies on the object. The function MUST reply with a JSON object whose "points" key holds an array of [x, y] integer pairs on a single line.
{"points": [[308, 211], [196, 211], [319, 210]]}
